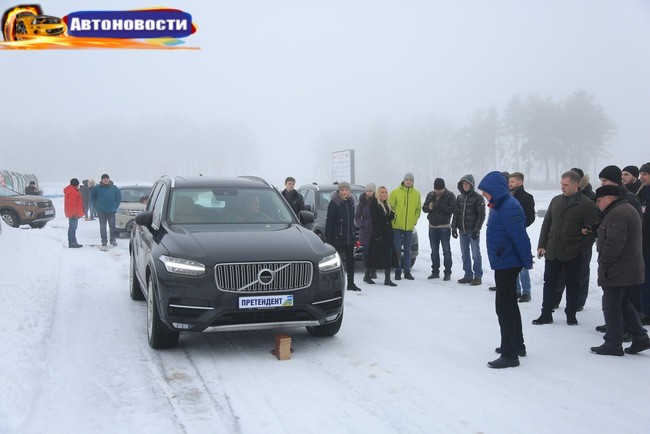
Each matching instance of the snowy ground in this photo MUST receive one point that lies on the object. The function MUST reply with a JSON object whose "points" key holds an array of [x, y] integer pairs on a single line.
{"points": [[74, 358]]}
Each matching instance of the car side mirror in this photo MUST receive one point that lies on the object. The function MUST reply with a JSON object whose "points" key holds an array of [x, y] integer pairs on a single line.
{"points": [[144, 218], [306, 217], [308, 208]]}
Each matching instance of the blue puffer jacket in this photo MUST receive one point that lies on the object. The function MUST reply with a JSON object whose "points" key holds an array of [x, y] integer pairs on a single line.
{"points": [[507, 241]]}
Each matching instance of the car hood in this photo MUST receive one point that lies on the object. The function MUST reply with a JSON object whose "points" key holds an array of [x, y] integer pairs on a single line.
{"points": [[30, 197], [288, 243], [137, 206]]}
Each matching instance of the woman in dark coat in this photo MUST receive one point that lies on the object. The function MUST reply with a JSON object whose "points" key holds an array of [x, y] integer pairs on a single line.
{"points": [[364, 223], [339, 228], [382, 247]]}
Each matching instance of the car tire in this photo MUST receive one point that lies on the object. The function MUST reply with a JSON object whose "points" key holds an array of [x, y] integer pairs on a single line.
{"points": [[40, 225], [412, 262], [326, 330], [135, 290], [10, 218], [158, 333], [20, 30]]}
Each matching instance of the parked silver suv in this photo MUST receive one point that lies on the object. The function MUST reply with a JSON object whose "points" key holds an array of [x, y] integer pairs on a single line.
{"points": [[134, 201]]}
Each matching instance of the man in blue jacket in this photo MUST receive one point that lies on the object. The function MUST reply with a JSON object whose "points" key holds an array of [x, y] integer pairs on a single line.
{"points": [[509, 250], [106, 198]]}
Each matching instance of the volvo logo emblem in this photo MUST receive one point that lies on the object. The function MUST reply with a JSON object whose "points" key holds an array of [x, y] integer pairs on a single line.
{"points": [[265, 276]]}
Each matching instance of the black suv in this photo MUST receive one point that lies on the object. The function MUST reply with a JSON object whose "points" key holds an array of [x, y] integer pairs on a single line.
{"points": [[212, 254], [317, 198]]}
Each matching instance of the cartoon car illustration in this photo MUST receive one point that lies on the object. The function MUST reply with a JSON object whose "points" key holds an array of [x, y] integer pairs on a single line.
{"points": [[29, 25]]}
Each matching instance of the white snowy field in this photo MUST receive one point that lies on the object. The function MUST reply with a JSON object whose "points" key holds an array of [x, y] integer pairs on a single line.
{"points": [[74, 357]]}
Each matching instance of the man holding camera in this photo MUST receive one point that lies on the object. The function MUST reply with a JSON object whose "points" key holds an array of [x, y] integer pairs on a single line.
{"points": [[566, 232]]}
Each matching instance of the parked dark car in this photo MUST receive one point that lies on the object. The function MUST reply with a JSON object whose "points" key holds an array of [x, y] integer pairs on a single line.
{"points": [[22, 209], [212, 254], [317, 198]]}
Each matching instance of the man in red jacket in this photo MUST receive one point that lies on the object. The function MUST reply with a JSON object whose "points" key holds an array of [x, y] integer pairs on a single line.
{"points": [[73, 207]]}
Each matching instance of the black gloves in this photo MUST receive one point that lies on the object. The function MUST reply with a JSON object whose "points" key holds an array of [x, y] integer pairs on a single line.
{"points": [[454, 233], [475, 235]]}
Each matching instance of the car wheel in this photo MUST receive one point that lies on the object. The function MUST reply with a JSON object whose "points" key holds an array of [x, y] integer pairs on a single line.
{"points": [[412, 262], [40, 225], [135, 289], [20, 30], [10, 218], [158, 333], [326, 329]]}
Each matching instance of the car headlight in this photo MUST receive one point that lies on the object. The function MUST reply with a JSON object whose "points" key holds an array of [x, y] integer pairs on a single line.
{"points": [[24, 203], [122, 211], [182, 266], [329, 263]]}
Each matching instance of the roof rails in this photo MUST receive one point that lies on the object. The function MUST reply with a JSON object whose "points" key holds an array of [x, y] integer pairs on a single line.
{"points": [[256, 179]]}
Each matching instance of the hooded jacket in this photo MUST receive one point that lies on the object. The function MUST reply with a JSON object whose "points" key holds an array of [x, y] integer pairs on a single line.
{"points": [[470, 208], [72, 202], [339, 224], [507, 241], [106, 198], [405, 203], [620, 258]]}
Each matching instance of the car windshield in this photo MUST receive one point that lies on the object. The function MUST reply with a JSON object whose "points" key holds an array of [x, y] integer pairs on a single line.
{"points": [[228, 205], [7, 192], [134, 194]]}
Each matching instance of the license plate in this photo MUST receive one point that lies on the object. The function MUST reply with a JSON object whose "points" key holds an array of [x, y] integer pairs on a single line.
{"points": [[49, 212], [266, 302]]}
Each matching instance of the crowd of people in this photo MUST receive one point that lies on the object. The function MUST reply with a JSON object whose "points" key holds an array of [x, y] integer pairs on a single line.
{"points": [[614, 216]]}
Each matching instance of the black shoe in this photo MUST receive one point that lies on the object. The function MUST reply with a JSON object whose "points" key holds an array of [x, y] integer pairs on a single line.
{"points": [[525, 298], [627, 337], [520, 353], [607, 350], [639, 345], [476, 281], [353, 287], [408, 276], [571, 319], [389, 282], [465, 280], [75, 246], [103, 243], [369, 280], [433, 276], [602, 328], [543, 319], [501, 363], [113, 243], [398, 275], [447, 277], [492, 288]]}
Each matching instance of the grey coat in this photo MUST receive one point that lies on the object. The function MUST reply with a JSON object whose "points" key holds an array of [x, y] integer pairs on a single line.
{"points": [[620, 259]]}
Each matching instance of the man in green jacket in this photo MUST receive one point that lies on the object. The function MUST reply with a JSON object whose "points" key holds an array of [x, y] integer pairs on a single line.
{"points": [[405, 202]]}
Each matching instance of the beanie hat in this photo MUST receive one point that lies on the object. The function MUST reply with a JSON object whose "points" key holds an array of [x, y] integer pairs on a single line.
{"points": [[409, 175], [344, 184], [579, 172], [645, 168], [439, 184], [611, 173], [608, 190], [632, 170], [74, 182], [370, 186]]}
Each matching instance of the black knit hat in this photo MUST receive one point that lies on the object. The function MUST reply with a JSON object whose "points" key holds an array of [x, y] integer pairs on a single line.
{"points": [[645, 168], [608, 190], [74, 182], [439, 184], [578, 171], [632, 170], [611, 173]]}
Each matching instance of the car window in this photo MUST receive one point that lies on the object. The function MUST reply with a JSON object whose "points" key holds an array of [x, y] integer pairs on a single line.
{"points": [[134, 194], [228, 205], [7, 192], [154, 194], [158, 207], [309, 198]]}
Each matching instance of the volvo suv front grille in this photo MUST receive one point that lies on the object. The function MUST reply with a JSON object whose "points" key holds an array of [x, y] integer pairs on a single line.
{"points": [[263, 276]]}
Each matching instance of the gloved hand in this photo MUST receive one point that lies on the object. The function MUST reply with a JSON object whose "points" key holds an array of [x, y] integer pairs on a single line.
{"points": [[475, 235], [454, 233]]}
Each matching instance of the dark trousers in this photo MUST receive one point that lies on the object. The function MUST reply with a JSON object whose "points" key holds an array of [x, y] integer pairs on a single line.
{"points": [[104, 218], [644, 288], [552, 271], [512, 338], [73, 223], [583, 280], [347, 255], [620, 314], [438, 236]]}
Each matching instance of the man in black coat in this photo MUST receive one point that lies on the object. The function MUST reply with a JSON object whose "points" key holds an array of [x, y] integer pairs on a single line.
{"points": [[295, 199], [631, 181], [516, 186], [620, 269], [439, 206], [644, 196]]}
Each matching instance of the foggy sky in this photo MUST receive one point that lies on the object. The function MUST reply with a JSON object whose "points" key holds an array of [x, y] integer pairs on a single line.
{"points": [[274, 79]]}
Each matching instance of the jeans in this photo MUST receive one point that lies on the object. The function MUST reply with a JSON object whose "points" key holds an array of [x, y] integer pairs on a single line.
{"points": [[512, 337], [439, 236], [467, 243], [403, 238], [73, 223], [552, 271], [107, 217], [619, 315], [523, 282]]}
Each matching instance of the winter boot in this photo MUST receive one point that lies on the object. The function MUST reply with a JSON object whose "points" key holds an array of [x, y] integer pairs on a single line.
{"points": [[387, 280], [368, 277]]}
